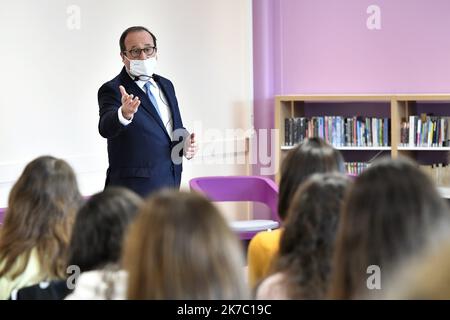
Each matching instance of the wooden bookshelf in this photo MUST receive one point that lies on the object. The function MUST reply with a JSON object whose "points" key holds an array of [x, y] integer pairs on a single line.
{"points": [[396, 107]]}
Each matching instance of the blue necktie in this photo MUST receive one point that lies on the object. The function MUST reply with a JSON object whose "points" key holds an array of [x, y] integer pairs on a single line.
{"points": [[152, 98]]}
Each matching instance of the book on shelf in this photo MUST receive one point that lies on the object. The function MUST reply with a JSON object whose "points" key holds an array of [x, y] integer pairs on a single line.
{"points": [[339, 131], [425, 131], [356, 168]]}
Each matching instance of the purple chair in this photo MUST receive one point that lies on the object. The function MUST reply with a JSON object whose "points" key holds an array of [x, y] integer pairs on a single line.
{"points": [[242, 188]]}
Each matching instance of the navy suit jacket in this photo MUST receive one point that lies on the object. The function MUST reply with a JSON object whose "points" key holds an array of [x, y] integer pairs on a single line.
{"points": [[139, 154]]}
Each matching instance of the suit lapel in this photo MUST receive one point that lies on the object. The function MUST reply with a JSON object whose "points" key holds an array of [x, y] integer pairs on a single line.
{"points": [[132, 88]]}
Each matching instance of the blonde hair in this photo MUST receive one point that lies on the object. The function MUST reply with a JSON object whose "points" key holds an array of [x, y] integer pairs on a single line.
{"points": [[41, 211], [180, 247]]}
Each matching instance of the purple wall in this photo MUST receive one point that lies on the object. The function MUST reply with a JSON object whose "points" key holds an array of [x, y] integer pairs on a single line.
{"points": [[263, 66], [324, 46]]}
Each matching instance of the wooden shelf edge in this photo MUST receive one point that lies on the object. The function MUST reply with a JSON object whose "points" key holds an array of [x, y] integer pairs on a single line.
{"points": [[349, 148], [366, 97], [423, 148]]}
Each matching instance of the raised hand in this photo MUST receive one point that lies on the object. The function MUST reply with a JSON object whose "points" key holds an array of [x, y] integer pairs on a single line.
{"points": [[130, 104]]}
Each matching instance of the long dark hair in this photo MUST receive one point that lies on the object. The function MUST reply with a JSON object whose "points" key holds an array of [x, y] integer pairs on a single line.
{"points": [[388, 216], [307, 243], [313, 155], [40, 215], [100, 227]]}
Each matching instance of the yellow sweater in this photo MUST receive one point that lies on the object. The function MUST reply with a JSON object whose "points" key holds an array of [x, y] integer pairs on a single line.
{"points": [[30, 276], [261, 252]]}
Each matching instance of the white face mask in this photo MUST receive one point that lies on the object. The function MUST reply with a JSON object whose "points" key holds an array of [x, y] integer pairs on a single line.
{"points": [[143, 69]]}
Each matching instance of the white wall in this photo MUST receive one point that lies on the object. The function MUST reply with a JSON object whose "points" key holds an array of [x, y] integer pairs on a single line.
{"points": [[51, 73]]}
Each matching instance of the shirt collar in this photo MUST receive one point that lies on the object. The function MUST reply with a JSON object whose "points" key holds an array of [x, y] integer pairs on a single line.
{"points": [[141, 83]]}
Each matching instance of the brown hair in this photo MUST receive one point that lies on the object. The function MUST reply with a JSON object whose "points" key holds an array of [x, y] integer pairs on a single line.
{"points": [[41, 210], [387, 217], [180, 247], [313, 155], [307, 243]]}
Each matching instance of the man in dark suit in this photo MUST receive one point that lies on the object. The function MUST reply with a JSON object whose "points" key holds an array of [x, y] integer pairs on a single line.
{"points": [[139, 116]]}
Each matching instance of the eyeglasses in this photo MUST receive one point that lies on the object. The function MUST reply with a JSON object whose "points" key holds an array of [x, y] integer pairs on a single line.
{"points": [[136, 53]]}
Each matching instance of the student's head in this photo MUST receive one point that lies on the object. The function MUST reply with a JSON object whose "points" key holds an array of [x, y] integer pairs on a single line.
{"points": [[180, 247], [100, 226], [41, 209], [387, 217], [313, 155], [307, 243]]}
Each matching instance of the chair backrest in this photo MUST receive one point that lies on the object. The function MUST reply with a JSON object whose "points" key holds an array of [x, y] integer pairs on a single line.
{"points": [[239, 188]]}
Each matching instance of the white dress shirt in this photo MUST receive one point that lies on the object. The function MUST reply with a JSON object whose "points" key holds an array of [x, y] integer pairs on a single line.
{"points": [[163, 105]]}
